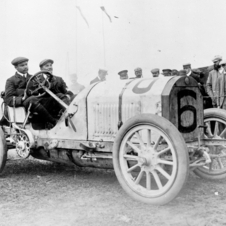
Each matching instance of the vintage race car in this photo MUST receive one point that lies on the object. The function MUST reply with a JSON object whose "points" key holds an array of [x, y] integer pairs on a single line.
{"points": [[150, 130]]}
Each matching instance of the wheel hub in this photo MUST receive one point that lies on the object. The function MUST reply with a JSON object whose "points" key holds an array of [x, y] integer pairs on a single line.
{"points": [[148, 159], [22, 146]]}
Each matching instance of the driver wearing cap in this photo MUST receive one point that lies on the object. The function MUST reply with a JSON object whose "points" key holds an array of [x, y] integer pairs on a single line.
{"points": [[58, 85], [16, 95]]}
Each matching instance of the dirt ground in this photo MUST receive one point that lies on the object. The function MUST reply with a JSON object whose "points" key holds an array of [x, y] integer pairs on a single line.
{"points": [[40, 193]]}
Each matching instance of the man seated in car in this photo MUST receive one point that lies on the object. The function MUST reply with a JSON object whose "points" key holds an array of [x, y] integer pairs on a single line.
{"points": [[58, 85], [16, 95]]}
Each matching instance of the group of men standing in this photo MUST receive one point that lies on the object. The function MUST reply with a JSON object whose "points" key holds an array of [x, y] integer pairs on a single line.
{"points": [[215, 87], [187, 71]]}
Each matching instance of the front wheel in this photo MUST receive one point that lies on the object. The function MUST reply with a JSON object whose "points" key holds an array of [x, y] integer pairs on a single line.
{"points": [[150, 159], [3, 151]]}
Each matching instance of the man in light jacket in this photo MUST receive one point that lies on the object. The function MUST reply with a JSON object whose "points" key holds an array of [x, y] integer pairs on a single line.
{"points": [[215, 84]]}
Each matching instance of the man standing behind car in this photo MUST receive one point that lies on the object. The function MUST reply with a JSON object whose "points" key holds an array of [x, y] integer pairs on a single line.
{"points": [[214, 84], [16, 96], [102, 73], [58, 86]]}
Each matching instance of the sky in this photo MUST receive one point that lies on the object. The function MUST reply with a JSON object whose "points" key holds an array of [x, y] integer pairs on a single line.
{"points": [[143, 33]]}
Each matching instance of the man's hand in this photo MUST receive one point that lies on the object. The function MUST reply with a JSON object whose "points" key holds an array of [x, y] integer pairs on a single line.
{"points": [[25, 95], [214, 102]]}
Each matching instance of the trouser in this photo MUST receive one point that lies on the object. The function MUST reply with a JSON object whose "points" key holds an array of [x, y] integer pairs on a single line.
{"points": [[42, 106]]}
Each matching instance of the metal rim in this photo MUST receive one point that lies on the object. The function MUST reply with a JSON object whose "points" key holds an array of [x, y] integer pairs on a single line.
{"points": [[216, 129], [154, 159]]}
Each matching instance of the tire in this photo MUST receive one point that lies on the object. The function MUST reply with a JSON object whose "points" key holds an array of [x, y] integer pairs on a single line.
{"points": [[3, 151], [207, 172], [148, 158]]}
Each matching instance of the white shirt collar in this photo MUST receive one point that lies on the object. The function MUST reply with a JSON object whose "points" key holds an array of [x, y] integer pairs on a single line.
{"points": [[189, 73], [23, 75]]}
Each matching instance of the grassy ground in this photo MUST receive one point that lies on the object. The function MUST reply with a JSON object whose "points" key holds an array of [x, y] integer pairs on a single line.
{"points": [[34, 192]]}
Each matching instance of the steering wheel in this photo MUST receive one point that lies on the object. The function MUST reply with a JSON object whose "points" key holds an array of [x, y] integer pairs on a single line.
{"points": [[37, 81]]}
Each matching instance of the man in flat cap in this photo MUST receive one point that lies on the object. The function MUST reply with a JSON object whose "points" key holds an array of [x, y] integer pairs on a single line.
{"points": [[58, 85], [215, 83], [138, 72], [155, 72], [197, 75], [102, 73], [16, 96], [167, 72], [182, 73], [191, 73], [175, 72], [123, 74]]}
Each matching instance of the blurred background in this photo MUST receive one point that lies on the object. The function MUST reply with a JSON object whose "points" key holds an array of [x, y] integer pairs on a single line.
{"points": [[138, 33]]}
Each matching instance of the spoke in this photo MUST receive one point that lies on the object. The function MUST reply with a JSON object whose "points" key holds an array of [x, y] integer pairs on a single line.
{"points": [[211, 165], [132, 168], [209, 129], [140, 140], [165, 162], [157, 180], [135, 148], [163, 172], [220, 163], [163, 151], [216, 129], [223, 132], [131, 157], [149, 137], [148, 180], [137, 181], [157, 142]]}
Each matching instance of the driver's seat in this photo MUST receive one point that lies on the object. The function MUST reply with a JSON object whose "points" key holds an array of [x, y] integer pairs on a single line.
{"points": [[17, 114]]}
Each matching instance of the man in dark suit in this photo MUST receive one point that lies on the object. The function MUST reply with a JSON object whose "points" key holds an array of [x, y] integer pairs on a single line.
{"points": [[58, 85], [191, 73], [16, 95], [198, 75], [102, 73]]}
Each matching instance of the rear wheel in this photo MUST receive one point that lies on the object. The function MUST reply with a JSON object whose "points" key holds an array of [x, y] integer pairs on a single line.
{"points": [[150, 159], [215, 120], [3, 151]]}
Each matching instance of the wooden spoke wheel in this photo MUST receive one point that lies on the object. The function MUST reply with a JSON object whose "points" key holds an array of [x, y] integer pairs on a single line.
{"points": [[150, 159], [215, 120]]}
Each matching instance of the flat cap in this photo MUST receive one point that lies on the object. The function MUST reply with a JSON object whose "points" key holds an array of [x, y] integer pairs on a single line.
{"points": [[167, 70], [186, 65], [217, 58], [18, 60], [138, 69], [45, 62], [175, 72], [155, 70], [103, 70], [182, 73], [223, 62], [122, 71]]}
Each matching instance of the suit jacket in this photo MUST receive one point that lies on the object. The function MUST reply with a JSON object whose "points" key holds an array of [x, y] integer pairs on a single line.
{"points": [[196, 77], [15, 87], [95, 80], [215, 87]]}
